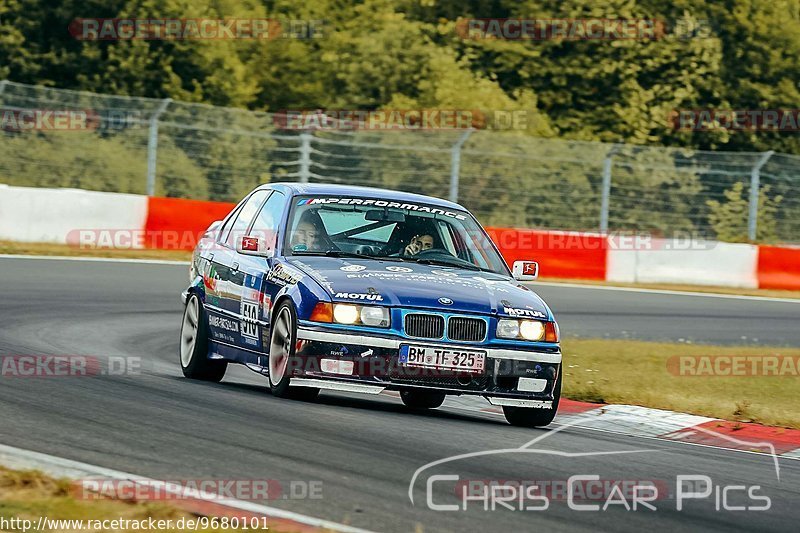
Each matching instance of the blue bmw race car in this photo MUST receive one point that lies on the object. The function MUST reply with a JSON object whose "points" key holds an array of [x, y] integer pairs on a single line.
{"points": [[366, 290]]}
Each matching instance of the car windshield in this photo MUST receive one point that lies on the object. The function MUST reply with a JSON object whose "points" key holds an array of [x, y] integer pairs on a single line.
{"points": [[390, 230]]}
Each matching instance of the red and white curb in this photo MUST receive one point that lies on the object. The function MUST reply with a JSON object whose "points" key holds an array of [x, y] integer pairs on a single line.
{"points": [[204, 503], [637, 421]]}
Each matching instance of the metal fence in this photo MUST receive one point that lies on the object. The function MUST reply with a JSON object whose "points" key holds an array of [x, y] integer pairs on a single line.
{"points": [[179, 149]]}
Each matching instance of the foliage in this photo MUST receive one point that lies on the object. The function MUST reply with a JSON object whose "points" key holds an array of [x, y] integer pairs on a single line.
{"points": [[729, 219], [738, 54]]}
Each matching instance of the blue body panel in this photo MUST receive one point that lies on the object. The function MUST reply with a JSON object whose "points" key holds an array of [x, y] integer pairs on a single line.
{"points": [[239, 292]]}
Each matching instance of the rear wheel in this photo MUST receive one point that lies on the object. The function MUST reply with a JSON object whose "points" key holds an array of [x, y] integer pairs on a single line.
{"points": [[283, 339], [422, 399], [529, 417], [195, 363]]}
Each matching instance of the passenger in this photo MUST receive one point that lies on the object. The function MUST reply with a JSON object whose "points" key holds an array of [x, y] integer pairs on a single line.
{"points": [[419, 243], [310, 234]]}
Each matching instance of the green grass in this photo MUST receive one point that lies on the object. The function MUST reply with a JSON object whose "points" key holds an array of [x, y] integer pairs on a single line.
{"points": [[636, 373]]}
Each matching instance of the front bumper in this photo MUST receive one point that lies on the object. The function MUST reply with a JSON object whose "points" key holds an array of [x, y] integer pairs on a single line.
{"points": [[510, 377]]}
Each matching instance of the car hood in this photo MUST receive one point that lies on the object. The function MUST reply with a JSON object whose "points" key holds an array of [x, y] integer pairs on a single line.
{"points": [[407, 284]]}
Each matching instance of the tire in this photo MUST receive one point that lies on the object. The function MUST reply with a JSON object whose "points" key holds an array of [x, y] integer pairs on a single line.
{"points": [[194, 360], [282, 343], [422, 399], [529, 417]]}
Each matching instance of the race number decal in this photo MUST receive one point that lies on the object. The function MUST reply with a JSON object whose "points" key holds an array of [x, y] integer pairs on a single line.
{"points": [[250, 314]]}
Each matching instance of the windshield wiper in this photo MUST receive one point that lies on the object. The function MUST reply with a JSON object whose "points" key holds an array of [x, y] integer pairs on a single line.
{"points": [[341, 253], [444, 262], [332, 253]]}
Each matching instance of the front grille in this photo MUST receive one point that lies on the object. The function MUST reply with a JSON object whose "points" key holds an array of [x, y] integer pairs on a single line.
{"points": [[474, 383], [461, 328], [424, 326], [433, 377]]}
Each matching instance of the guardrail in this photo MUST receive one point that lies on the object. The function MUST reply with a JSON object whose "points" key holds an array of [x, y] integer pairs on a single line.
{"points": [[126, 221]]}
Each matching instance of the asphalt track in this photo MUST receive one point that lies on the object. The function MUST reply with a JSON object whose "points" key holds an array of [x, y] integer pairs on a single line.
{"points": [[364, 450]]}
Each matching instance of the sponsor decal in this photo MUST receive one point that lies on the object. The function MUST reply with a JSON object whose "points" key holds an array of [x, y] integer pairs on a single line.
{"points": [[399, 269], [445, 273], [359, 296], [530, 269], [383, 203], [353, 268], [519, 312], [249, 244], [284, 275], [420, 278], [223, 323], [210, 277], [368, 353]]}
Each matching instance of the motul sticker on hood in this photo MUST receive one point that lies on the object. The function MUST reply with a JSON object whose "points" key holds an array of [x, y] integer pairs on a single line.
{"points": [[421, 286]]}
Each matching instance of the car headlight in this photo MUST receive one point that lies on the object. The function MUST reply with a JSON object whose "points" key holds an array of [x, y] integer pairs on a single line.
{"points": [[357, 314], [507, 329], [345, 313], [529, 330], [375, 316]]}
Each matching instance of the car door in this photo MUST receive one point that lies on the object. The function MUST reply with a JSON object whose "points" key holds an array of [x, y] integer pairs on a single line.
{"points": [[225, 282], [255, 296]]}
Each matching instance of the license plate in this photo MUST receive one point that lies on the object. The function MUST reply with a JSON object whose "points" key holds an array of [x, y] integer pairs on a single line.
{"points": [[438, 357]]}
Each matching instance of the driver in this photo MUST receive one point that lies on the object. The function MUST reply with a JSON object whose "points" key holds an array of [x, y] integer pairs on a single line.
{"points": [[309, 234], [419, 243]]}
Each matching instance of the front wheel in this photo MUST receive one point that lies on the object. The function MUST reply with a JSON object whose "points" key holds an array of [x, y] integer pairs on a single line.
{"points": [[283, 339], [422, 399], [529, 417], [195, 363]]}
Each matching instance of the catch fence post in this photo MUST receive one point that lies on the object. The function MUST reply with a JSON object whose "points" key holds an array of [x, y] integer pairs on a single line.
{"points": [[152, 147]]}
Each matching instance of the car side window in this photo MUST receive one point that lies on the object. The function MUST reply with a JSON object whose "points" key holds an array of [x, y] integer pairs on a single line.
{"points": [[246, 214], [266, 223], [226, 225]]}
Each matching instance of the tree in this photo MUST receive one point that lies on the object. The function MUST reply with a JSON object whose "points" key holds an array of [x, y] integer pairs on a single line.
{"points": [[730, 218]]}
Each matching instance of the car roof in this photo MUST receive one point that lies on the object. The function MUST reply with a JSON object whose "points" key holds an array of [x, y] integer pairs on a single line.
{"points": [[329, 189]]}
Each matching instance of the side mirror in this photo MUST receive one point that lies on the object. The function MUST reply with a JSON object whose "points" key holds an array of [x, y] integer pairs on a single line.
{"points": [[252, 245], [525, 270], [213, 228]]}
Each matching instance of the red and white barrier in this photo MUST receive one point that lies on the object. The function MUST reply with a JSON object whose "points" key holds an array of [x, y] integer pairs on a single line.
{"points": [[52, 215], [89, 218], [704, 263]]}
